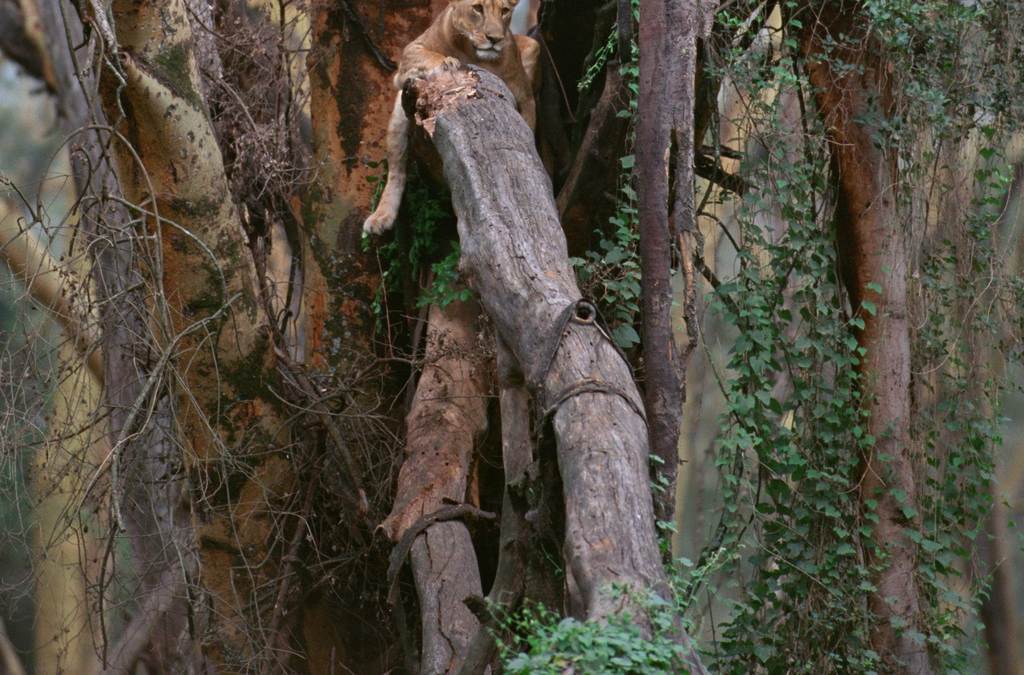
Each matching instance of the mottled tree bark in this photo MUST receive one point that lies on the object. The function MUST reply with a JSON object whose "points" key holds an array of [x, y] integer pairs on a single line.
{"points": [[353, 42], [873, 250], [217, 337], [351, 67], [148, 481], [514, 255]]}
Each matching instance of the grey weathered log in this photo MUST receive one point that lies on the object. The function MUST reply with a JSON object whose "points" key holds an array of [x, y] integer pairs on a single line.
{"points": [[514, 255], [669, 30]]}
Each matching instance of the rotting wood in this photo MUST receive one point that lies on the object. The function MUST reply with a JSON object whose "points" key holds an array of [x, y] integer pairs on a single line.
{"points": [[514, 255]]}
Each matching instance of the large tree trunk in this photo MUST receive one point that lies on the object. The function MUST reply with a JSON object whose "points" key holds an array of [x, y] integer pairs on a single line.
{"points": [[147, 486], [514, 255], [873, 251], [216, 332]]}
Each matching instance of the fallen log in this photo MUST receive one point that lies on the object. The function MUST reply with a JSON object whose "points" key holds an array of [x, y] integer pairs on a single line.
{"points": [[514, 256]]}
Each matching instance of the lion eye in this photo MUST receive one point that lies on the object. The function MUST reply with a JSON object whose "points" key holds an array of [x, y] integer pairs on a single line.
{"points": [[479, 9]]}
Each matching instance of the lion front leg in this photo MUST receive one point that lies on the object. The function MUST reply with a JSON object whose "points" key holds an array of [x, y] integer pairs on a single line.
{"points": [[383, 217], [529, 54]]}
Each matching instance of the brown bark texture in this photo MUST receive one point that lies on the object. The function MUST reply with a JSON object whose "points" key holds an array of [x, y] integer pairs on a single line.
{"points": [[447, 418], [217, 339], [669, 30], [873, 250], [353, 42], [514, 255]]}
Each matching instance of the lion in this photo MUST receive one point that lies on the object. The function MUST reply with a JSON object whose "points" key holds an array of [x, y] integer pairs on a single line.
{"points": [[472, 32]]}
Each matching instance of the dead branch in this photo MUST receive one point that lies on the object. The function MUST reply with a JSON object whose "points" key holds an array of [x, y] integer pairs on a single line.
{"points": [[50, 284]]}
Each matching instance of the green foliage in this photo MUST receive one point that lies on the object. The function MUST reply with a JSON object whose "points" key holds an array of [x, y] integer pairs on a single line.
{"points": [[800, 553], [418, 244], [790, 462], [551, 645], [446, 286]]}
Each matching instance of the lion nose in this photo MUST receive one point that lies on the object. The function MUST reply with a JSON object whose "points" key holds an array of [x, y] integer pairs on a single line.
{"points": [[495, 39]]}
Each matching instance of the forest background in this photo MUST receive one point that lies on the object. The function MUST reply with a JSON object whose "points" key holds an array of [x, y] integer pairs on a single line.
{"points": [[775, 551]]}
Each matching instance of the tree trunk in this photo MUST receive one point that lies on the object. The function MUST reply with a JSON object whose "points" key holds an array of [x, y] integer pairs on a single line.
{"points": [[873, 253], [997, 611], [148, 482], [514, 255], [447, 419], [668, 57], [216, 332]]}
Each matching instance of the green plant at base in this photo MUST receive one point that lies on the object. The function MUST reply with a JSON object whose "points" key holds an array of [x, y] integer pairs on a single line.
{"points": [[551, 645]]}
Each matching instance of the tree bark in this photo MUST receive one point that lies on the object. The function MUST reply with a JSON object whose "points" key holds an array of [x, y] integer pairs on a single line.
{"points": [[514, 574], [215, 331], [669, 30], [997, 611], [148, 480], [447, 419], [873, 250], [514, 255]]}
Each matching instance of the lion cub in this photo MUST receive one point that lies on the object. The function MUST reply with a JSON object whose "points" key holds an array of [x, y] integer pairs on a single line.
{"points": [[468, 31]]}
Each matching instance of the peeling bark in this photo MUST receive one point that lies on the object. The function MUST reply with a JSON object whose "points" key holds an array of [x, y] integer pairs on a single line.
{"points": [[873, 250], [514, 254], [447, 418]]}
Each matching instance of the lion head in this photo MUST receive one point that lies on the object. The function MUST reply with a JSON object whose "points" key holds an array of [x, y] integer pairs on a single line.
{"points": [[484, 23]]}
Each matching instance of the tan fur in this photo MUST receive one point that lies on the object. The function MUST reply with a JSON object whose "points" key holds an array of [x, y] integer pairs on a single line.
{"points": [[459, 35]]}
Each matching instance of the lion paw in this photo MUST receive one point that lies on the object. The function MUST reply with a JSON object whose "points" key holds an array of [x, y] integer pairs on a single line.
{"points": [[450, 64], [378, 223]]}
